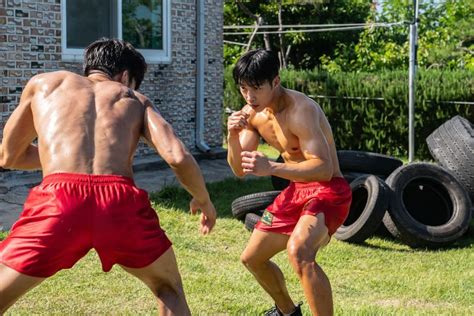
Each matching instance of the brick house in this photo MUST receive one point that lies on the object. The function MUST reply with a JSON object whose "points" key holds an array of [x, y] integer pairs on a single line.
{"points": [[181, 40]]}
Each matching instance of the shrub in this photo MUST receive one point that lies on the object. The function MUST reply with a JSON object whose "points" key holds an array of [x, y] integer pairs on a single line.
{"points": [[369, 111]]}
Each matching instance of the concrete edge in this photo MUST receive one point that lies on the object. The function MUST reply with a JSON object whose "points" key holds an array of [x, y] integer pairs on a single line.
{"points": [[146, 163]]}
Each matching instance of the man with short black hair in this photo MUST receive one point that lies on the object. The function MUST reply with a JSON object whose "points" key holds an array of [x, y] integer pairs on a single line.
{"points": [[88, 128], [305, 215]]}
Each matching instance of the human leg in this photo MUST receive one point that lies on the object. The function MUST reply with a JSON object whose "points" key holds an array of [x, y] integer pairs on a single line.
{"points": [[256, 257], [14, 284], [163, 279], [309, 236]]}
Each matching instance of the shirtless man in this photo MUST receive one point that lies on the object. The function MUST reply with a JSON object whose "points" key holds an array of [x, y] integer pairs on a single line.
{"points": [[88, 128], [305, 215]]}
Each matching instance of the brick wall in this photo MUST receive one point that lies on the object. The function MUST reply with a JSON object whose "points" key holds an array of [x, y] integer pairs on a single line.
{"points": [[30, 43]]}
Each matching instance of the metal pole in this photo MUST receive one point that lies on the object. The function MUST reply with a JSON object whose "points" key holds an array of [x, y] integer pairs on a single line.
{"points": [[411, 83], [200, 102]]}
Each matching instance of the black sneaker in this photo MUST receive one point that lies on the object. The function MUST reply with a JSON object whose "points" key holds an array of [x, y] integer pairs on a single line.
{"points": [[297, 311], [274, 311]]}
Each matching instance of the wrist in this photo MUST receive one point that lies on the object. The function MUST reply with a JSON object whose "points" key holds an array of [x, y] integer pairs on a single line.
{"points": [[203, 200], [232, 135], [273, 167]]}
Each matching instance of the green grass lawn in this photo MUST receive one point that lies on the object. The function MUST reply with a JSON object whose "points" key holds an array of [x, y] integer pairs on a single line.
{"points": [[380, 277]]}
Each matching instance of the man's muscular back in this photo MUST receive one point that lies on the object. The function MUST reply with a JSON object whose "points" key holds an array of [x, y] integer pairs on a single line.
{"points": [[84, 125]]}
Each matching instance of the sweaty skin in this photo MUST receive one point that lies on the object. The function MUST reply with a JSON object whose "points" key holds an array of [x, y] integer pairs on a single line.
{"points": [[290, 122], [92, 125], [296, 126], [82, 125]]}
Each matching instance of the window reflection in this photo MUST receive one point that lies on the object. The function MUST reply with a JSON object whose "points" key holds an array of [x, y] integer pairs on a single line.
{"points": [[142, 22], [88, 20]]}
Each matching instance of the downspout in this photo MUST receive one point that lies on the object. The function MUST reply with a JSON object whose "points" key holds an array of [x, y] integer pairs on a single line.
{"points": [[200, 143]]}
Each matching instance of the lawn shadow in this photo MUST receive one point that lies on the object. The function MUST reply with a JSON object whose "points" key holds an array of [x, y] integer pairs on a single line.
{"points": [[389, 243], [222, 194], [466, 241]]}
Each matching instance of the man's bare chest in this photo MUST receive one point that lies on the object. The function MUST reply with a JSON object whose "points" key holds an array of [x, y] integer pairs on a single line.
{"points": [[276, 132]]}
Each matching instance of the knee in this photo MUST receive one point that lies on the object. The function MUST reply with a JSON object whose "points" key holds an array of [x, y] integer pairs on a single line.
{"points": [[249, 261], [302, 258], [166, 288]]}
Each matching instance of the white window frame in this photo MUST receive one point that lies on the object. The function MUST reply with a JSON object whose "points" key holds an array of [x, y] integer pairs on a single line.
{"points": [[157, 56]]}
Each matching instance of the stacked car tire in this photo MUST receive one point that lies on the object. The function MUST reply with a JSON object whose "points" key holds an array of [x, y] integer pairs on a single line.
{"points": [[422, 204]]}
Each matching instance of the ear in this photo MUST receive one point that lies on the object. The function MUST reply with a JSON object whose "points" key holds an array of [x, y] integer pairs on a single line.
{"points": [[122, 77], [125, 77], [276, 81]]}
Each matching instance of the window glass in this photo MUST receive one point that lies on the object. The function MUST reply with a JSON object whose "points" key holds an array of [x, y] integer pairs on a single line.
{"points": [[142, 23], [89, 20]]}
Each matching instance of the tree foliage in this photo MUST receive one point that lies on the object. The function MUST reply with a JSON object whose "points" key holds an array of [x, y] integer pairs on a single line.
{"points": [[305, 48], [368, 110], [445, 38], [445, 33]]}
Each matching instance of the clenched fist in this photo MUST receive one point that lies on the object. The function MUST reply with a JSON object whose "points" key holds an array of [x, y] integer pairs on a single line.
{"points": [[236, 122], [254, 162]]}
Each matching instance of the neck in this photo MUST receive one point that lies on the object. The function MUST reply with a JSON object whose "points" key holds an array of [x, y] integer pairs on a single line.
{"points": [[97, 75], [278, 103]]}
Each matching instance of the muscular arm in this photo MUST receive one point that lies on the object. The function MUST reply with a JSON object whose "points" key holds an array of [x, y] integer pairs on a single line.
{"points": [[317, 165], [240, 137], [161, 136], [17, 152]]}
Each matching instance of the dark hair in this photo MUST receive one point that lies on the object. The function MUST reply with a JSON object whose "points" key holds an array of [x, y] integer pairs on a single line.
{"points": [[256, 67], [113, 56]]}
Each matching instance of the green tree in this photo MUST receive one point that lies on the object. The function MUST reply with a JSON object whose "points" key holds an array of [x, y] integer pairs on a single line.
{"points": [[303, 49], [445, 38]]}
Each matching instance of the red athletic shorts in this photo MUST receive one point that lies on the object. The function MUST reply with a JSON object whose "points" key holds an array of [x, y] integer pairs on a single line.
{"points": [[68, 214], [332, 198]]}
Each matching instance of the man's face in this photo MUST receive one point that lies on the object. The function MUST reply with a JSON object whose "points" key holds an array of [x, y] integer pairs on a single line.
{"points": [[257, 97]]}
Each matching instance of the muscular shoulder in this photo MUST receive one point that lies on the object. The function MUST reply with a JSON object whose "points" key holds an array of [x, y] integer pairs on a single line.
{"points": [[51, 77], [47, 82], [304, 108], [144, 100]]}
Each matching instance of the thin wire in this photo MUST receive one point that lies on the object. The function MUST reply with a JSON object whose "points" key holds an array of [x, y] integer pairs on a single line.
{"points": [[321, 30], [235, 43], [318, 96], [229, 27]]}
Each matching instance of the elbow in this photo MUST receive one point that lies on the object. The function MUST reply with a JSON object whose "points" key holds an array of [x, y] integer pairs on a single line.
{"points": [[236, 171], [7, 161], [239, 174]]}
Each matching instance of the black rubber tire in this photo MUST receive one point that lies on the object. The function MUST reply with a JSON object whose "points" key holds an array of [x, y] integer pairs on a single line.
{"points": [[251, 220], [452, 145], [367, 162], [351, 176], [370, 197], [428, 206], [277, 182], [252, 202]]}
